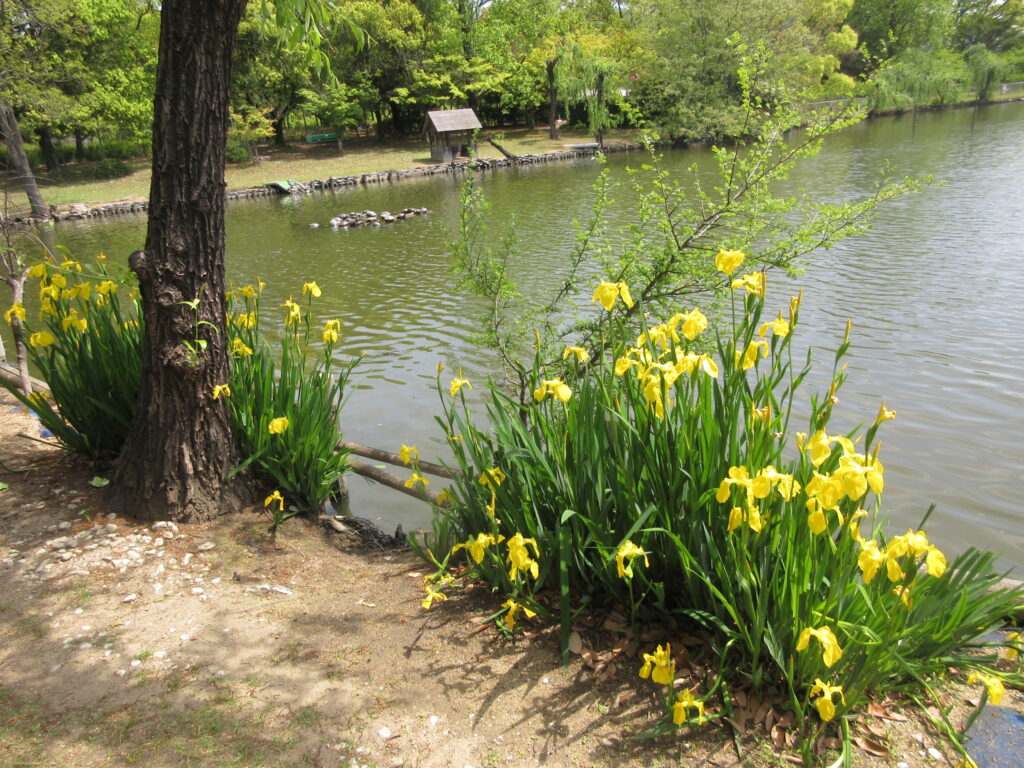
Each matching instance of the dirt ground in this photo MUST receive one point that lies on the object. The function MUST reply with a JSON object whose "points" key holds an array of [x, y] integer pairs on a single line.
{"points": [[159, 645]]}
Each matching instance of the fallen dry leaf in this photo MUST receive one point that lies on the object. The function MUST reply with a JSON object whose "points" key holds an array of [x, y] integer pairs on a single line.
{"points": [[877, 710], [778, 736], [575, 643], [735, 726], [871, 746], [876, 730], [613, 626]]}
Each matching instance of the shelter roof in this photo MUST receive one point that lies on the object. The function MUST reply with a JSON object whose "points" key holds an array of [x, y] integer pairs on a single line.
{"points": [[447, 120]]}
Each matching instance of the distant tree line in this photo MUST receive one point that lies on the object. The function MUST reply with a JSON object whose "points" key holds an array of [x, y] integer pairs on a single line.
{"points": [[77, 76]]}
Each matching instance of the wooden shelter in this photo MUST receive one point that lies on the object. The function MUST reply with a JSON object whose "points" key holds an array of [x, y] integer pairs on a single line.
{"points": [[450, 133]]}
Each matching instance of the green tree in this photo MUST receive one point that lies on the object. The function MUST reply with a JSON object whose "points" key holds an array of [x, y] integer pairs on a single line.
{"points": [[380, 74], [271, 70], [984, 67], [104, 61], [25, 77], [687, 53], [887, 28], [996, 24]]}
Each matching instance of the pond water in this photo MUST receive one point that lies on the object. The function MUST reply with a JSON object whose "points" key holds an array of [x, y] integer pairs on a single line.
{"points": [[934, 291]]}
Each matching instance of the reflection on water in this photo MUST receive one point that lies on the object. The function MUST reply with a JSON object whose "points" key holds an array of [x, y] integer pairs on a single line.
{"points": [[933, 290]]}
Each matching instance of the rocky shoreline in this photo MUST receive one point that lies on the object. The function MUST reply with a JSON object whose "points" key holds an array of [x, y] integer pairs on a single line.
{"points": [[79, 211]]}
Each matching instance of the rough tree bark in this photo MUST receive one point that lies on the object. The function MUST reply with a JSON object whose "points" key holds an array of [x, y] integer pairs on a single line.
{"points": [[181, 447], [19, 160]]}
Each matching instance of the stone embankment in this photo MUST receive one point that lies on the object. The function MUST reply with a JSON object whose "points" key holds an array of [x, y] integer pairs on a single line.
{"points": [[334, 183]]}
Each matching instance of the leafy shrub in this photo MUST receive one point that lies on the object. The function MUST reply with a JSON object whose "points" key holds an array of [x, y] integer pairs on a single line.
{"points": [[111, 168], [238, 150], [88, 350], [286, 410], [668, 479], [123, 149]]}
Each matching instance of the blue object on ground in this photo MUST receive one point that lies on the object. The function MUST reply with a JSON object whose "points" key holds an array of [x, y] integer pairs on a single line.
{"points": [[996, 740]]}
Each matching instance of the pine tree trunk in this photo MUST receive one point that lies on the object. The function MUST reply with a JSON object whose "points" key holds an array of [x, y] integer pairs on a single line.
{"points": [[181, 447], [19, 160]]}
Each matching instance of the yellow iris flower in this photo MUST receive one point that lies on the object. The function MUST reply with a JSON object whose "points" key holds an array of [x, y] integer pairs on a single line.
{"points": [[825, 704], [73, 320], [830, 650], [331, 328], [408, 454], [748, 358], [750, 515], [41, 339], [630, 550], [294, 312], [754, 283], [659, 666], [17, 310], [728, 261], [246, 320], [554, 387], [458, 384], [477, 547], [417, 479], [278, 426], [492, 478], [870, 559], [607, 293], [993, 685], [519, 556], [778, 326], [686, 701], [221, 390], [513, 609], [694, 323], [433, 596], [238, 347], [275, 497], [579, 353], [1011, 653], [884, 414], [81, 291], [312, 289]]}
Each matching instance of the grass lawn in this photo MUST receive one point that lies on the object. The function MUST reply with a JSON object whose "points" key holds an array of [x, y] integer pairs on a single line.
{"points": [[298, 161]]}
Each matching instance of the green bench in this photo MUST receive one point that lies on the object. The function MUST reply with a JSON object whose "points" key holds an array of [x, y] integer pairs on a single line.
{"points": [[321, 138]]}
